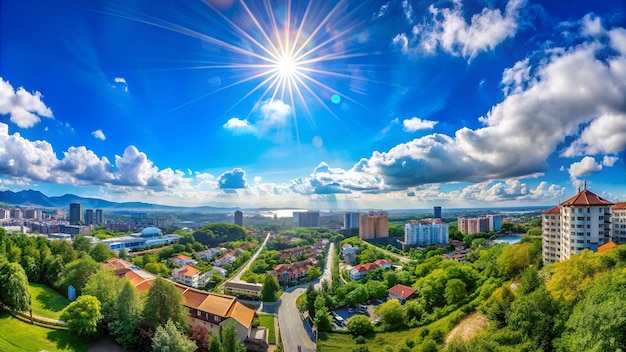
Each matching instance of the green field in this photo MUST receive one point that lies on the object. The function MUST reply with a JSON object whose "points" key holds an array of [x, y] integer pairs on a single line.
{"points": [[46, 302], [267, 321], [19, 336]]}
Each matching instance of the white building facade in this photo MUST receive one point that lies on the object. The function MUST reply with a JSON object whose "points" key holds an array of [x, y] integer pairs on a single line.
{"points": [[426, 232], [618, 222]]}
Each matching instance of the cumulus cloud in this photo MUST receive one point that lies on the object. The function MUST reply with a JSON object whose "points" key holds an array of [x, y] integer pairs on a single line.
{"points": [[274, 112], [566, 88], [99, 134], [586, 166], [609, 161], [23, 107], [120, 83], [591, 25], [448, 30], [415, 124], [236, 124], [236, 178]]}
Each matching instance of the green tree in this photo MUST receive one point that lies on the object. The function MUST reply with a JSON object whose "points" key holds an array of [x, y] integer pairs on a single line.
{"points": [[78, 272], [359, 325], [533, 315], [82, 316], [269, 292], [14, 287], [127, 316], [52, 269], [497, 306], [167, 338], [214, 343], [101, 252], [571, 277], [376, 289], [81, 243], [313, 273], [390, 312], [356, 296], [455, 291], [311, 296], [230, 340], [322, 319], [163, 303], [413, 310], [391, 278], [530, 280], [64, 249], [514, 259], [105, 286]]}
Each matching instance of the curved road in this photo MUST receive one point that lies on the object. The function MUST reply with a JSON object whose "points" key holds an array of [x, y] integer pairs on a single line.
{"points": [[236, 278]]}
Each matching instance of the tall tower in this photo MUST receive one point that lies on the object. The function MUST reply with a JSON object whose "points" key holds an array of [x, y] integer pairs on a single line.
{"points": [[99, 217], [89, 217], [238, 218], [437, 212], [76, 214]]}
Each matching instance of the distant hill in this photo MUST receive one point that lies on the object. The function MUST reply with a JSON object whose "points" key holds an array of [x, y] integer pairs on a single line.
{"points": [[31, 198]]}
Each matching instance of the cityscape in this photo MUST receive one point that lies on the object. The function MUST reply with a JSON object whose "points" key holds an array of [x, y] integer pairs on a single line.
{"points": [[300, 176]]}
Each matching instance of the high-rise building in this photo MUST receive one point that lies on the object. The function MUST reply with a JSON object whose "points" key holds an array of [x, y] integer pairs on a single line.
{"points": [[618, 222], [480, 224], [76, 214], [374, 225], [238, 218], [351, 220], [4, 214], [426, 232], [495, 222], [437, 212], [99, 217], [89, 217], [306, 218], [583, 223], [31, 213], [16, 213]]}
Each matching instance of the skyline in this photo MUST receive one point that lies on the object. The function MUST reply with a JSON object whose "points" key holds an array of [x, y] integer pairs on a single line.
{"points": [[375, 104]]}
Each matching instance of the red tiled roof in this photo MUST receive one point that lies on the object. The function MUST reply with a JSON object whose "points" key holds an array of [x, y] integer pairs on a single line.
{"points": [[585, 198], [402, 291], [619, 206], [555, 210], [184, 258], [607, 246], [189, 271]]}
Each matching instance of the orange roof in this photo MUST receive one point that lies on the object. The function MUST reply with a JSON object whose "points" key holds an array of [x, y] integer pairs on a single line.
{"points": [[118, 265], [585, 198], [189, 271], [217, 304], [402, 291], [182, 257], [619, 206], [555, 210], [606, 246], [242, 314]]}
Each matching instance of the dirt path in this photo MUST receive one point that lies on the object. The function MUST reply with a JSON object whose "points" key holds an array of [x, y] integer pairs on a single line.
{"points": [[468, 327]]}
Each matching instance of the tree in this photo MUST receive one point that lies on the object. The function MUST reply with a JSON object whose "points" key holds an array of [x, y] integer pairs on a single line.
{"points": [[413, 310], [164, 302], [530, 280], [455, 291], [167, 338], [200, 335], [78, 272], [322, 319], [269, 292], [498, 305], [359, 325], [572, 277], [14, 287], [105, 286], [214, 344], [390, 312], [311, 296], [230, 340], [313, 273], [52, 268], [64, 249], [357, 296], [101, 252], [514, 259], [81, 243], [376, 289], [533, 315], [127, 315], [391, 278], [82, 316]]}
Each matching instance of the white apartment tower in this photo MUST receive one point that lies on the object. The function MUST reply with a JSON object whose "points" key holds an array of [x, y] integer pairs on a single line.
{"points": [[583, 223], [426, 232], [618, 222]]}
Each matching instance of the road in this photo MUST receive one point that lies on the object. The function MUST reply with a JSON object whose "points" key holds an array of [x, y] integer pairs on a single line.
{"points": [[327, 274], [252, 259], [400, 258]]}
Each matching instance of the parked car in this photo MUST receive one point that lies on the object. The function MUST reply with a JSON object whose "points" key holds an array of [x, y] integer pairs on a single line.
{"points": [[350, 310]]}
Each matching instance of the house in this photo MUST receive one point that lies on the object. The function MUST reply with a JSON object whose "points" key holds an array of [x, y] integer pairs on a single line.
{"points": [[224, 259], [383, 263], [216, 269], [184, 260], [210, 253], [359, 271], [349, 253], [190, 276], [294, 272], [401, 292], [243, 288], [212, 311]]}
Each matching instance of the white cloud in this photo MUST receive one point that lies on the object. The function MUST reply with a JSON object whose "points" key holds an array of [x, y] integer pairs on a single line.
{"points": [[591, 26], [24, 108], [586, 166], [415, 123], [408, 11], [609, 161], [514, 79], [383, 11], [617, 37], [120, 83], [274, 112], [99, 134], [236, 178], [449, 30], [605, 134]]}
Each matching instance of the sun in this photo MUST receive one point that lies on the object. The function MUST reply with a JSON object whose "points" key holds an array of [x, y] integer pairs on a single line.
{"points": [[287, 66]]}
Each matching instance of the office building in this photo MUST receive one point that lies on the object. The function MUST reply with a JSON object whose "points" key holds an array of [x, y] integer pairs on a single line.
{"points": [[89, 217], [374, 225], [351, 220], [581, 222], [306, 218], [16, 213], [238, 218], [76, 214], [426, 232], [34, 214], [437, 212], [99, 217]]}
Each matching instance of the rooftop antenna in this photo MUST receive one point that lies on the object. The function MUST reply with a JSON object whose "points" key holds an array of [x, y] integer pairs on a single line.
{"points": [[585, 184]]}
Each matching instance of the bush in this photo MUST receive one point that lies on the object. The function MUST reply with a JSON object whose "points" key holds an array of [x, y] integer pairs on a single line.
{"points": [[409, 343], [361, 349], [256, 323], [360, 340], [437, 335]]}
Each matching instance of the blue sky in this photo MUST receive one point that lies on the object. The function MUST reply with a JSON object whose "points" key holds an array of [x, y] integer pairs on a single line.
{"points": [[357, 104]]}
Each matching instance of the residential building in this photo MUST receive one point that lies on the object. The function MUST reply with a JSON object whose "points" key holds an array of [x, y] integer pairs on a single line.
{"points": [[184, 260], [618, 223], [190, 276], [351, 220], [4, 214], [210, 253], [473, 225], [89, 218], [16, 213], [238, 218], [306, 218], [401, 292], [76, 214], [216, 269], [374, 225], [349, 253], [584, 223], [437, 212], [243, 288], [359, 271], [99, 217], [293, 273], [224, 259], [34, 214], [495, 222], [426, 232]]}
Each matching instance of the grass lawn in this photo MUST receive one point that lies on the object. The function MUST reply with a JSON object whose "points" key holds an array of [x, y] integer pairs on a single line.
{"points": [[267, 321], [46, 302], [19, 336]]}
